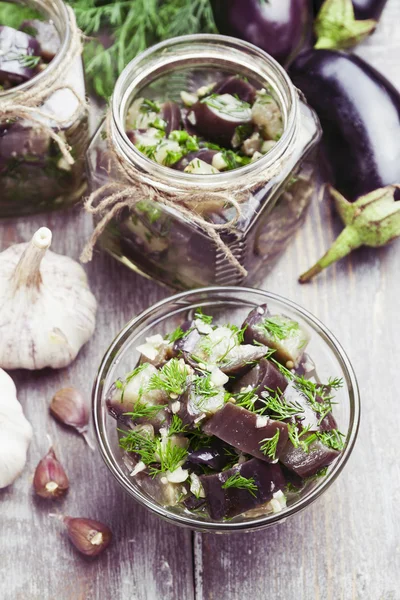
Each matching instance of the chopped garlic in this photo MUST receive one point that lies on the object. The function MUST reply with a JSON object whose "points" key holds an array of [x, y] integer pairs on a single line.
{"points": [[175, 407], [261, 421], [140, 466], [152, 346], [278, 502], [204, 90], [260, 310], [191, 118], [196, 487], [218, 378], [256, 156], [188, 99], [219, 162], [200, 167], [177, 476]]}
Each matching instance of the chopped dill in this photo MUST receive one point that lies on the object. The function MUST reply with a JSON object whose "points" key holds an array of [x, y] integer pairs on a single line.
{"points": [[171, 378], [280, 329], [141, 410], [148, 106], [205, 318], [242, 483], [176, 426], [280, 409], [176, 335], [269, 445]]}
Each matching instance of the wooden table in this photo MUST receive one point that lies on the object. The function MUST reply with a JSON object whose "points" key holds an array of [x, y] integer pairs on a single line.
{"points": [[346, 546]]}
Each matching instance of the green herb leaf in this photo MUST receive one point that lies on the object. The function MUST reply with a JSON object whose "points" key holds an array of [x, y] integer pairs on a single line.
{"points": [[171, 378], [268, 445], [205, 318], [242, 483], [279, 328], [143, 410]]}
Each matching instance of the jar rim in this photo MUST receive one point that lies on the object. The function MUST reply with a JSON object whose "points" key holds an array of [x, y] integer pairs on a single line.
{"points": [[123, 92], [65, 39]]}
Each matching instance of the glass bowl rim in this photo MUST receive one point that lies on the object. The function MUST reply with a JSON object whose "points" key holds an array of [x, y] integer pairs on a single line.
{"points": [[187, 521]]}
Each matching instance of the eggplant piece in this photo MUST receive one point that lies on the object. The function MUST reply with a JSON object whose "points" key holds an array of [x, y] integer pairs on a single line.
{"points": [[194, 406], [263, 375], [363, 9], [241, 357], [246, 431], [267, 115], [171, 114], [204, 154], [236, 85], [25, 144], [279, 27], [229, 502], [216, 456], [16, 48], [122, 399], [279, 332], [47, 36], [306, 464], [193, 503], [357, 107], [216, 117], [187, 344]]}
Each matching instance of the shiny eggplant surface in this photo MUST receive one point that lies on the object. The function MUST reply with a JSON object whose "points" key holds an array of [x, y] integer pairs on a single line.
{"points": [[223, 426], [359, 112], [279, 27], [363, 9]]}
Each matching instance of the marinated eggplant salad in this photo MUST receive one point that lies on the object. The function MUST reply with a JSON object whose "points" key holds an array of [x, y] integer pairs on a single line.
{"points": [[225, 420], [220, 127], [26, 49]]}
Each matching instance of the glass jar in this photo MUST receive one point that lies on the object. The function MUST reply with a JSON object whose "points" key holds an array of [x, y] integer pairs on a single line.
{"points": [[34, 174], [233, 304], [157, 240]]}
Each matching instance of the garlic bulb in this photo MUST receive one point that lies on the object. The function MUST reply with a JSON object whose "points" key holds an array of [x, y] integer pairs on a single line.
{"points": [[15, 432], [47, 311]]}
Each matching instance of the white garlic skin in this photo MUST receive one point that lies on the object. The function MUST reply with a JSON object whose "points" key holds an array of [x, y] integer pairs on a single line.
{"points": [[15, 432], [47, 311]]}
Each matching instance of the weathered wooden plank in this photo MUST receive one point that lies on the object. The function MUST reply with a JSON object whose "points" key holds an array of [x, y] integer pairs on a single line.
{"points": [[149, 558]]}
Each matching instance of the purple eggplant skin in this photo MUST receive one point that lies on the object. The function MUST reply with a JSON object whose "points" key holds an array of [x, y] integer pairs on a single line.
{"points": [[241, 429], [14, 46], [261, 376], [236, 85], [203, 154], [363, 9], [359, 111], [306, 464], [171, 114], [229, 502], [279, 27]]}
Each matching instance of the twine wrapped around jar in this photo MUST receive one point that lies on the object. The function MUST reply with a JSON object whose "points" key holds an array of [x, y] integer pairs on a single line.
{"points": [[25, 103], [109, 200]]}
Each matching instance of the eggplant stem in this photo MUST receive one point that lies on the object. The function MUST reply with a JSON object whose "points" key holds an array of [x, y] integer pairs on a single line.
{"points": [[347, 241]]}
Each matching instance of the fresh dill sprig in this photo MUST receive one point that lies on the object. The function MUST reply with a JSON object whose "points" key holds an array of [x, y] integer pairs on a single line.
{"points": [[295, 436], [121, 385], [268, 446], [143, 410], [148, 106], [239, 332], [132, 27], [177, 426], [141, 443], [176, 335], [280, 329], [333, 439], [171, 378], [242, 483], [208, 319], [203, 386], [29, 60], [279, 408], [247, 399], [198, 439]]}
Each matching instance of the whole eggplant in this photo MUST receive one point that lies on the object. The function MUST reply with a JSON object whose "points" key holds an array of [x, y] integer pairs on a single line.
{"points": [[363, 9], [359, 112], [280, 27]]}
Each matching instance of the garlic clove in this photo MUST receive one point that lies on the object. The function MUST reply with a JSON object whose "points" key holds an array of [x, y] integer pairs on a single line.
{"points": [[69, 407], [88, 536], [50, 480]]}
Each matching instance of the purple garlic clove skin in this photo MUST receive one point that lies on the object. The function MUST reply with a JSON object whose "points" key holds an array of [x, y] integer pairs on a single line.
{"points": [[88, 536], [171, 114], [47, 36], [203, 154], [263, 375], [217, 117], [229, 502], [235, 85], [246, 431], [50, 480], [306, 464], [15, 49]]}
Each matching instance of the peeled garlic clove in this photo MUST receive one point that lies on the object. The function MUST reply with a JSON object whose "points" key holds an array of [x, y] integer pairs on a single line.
{"points": [[88, 536], [69, 407], [50, 480]]}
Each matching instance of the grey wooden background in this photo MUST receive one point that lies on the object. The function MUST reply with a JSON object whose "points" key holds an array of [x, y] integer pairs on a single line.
{"points": [[345, 547]]}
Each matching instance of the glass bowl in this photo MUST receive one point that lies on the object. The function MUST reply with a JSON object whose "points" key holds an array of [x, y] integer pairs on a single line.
{"points": [[225, 304]]}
